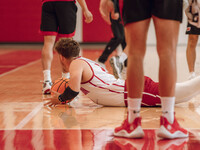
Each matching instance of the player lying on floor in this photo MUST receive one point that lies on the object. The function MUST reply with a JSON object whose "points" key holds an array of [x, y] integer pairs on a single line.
{"points": [[103, 88]]}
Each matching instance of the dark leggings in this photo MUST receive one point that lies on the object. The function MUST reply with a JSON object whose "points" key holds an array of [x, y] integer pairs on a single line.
{"points": [[119, 38]]}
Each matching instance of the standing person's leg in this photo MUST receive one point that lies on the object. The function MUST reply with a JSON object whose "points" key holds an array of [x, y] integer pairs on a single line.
{"points": [[113, 43], [117, 62], [47, 57], [166, 47], [136, 35], [47, 52], [48, 29], [191, 53]]}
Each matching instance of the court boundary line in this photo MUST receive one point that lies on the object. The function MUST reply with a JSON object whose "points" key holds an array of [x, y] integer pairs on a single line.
{"points": [[18, 68], [29, 116]]}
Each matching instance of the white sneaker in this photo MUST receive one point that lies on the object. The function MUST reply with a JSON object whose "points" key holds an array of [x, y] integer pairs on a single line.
{"points": [[101, 64], [117, 66], [192, 75], [47, 87]]}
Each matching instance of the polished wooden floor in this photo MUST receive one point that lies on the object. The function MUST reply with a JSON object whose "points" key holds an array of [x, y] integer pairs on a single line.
{"points": [[26, 124]]}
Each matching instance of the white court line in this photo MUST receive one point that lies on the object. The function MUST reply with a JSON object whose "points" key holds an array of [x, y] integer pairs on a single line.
{"points": [[18, 68], [29, 116]]}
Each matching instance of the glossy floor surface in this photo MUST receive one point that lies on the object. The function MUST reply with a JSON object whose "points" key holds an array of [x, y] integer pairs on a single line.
{"points": [[27, 124]]}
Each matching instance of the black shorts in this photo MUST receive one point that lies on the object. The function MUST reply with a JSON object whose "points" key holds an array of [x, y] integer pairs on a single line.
{"points": [[58, 18], [138, 10], [192, 29]]}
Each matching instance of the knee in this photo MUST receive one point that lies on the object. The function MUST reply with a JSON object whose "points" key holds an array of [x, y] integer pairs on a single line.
{"points": [[192, 40]]}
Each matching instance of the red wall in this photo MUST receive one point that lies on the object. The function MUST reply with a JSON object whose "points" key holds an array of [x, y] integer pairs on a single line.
{"points": [[20, 22], [98, 30]]}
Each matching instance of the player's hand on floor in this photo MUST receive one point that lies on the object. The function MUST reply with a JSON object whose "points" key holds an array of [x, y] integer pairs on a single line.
{"points": [[53, 100]]}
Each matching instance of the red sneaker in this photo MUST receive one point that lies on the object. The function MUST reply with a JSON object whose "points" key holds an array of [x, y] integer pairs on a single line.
{"points": [[133, 130], [171, 131], [172, 144]]}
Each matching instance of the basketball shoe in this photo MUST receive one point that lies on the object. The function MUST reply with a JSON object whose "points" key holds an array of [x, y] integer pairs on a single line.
{"points": [[171, 131], [130, 130], [117, 66], [47, 87]]}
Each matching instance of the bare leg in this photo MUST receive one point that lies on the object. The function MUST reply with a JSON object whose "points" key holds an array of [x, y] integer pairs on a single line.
{"points": [[166, 47], [47, 52], [47, 57], [136, 35], [191, 51]]}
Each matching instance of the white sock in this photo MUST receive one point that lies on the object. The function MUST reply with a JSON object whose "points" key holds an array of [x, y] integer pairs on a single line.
{"points": [[134, 105], [122, 57], [192, 75], [47, 75], [168, 108], [66, 75]]}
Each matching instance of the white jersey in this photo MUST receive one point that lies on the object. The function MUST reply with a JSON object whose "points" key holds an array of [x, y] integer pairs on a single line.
{"points": [[103, 88]]}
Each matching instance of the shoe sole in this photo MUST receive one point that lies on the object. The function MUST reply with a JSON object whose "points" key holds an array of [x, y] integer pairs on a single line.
{"points": [[137, 133], [115, 71], [164, 133]]}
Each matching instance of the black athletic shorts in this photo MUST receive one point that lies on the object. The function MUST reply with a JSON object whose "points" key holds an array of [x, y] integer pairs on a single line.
{"points": [[192, 29], [138, 10], [58, 18]]}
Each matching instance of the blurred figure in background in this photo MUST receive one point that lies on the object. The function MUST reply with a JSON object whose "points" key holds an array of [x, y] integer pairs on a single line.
{"points": [[58, 19]]}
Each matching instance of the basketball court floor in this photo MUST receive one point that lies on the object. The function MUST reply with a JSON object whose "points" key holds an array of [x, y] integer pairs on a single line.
{"points": [[26, 124]]}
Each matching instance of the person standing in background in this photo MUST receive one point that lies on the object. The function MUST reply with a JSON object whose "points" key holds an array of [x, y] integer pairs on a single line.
{"points": [[58, 19], [117, 39], [193, 31]]}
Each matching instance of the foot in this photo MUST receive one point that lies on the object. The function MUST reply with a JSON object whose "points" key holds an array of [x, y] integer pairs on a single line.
{"points": [[192, 75], [47, 87], [117, 66], [130, 130], [171, 131]]}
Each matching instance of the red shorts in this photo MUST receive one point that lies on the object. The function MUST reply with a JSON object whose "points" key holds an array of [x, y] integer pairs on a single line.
{"points": [[150, 95]]}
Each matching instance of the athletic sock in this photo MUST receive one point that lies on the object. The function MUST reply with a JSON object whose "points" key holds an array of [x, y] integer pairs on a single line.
{"points": [[192, 75], [122, 57], [47, 75], [168, 108], [134, 105], [66, 75]]}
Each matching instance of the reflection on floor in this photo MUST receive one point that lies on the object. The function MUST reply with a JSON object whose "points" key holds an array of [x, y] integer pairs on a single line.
{"points": [[78, 139], [26, 124]]}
